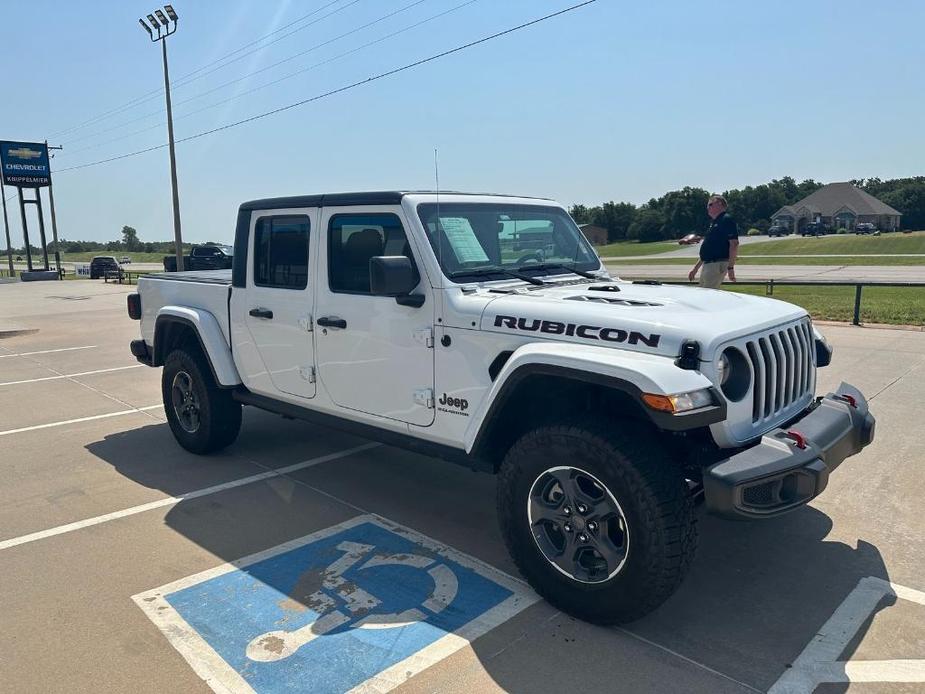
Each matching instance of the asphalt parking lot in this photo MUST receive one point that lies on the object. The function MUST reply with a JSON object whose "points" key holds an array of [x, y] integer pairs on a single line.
{"points": [[120, 553]]}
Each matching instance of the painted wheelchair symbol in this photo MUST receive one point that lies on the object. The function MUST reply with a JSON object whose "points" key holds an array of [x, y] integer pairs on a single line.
{"points": [[277, 645]]}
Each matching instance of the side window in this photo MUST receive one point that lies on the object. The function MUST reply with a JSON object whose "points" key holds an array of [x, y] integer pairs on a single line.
{"points": [[355, 238], [281, 252]]}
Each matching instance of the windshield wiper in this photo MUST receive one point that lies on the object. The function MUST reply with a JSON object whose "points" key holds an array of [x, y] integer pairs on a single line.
{"points": [[480, 272], [560, 266]]}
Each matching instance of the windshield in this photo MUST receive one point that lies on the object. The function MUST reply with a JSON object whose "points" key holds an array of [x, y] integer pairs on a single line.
{"points": [[476, 238]]}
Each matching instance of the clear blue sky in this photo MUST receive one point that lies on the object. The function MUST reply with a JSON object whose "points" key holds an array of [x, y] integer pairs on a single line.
{"points": [[618, 100]]}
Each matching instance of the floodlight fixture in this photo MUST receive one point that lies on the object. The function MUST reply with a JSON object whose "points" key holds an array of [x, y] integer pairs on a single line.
{"points": [[161, 24]]}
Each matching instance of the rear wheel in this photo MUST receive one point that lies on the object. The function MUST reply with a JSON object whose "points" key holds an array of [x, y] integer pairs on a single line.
{"points": [[203, 417], [600, 523]]}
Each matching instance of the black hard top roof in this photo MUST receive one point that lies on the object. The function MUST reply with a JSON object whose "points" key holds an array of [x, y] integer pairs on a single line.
{"points": [[347, 199]]}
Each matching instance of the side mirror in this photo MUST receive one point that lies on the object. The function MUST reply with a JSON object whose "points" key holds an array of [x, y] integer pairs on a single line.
{"points": [[391, 275]]}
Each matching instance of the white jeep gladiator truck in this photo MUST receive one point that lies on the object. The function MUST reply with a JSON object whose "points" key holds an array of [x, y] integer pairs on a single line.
{"points": [[484, 330]]}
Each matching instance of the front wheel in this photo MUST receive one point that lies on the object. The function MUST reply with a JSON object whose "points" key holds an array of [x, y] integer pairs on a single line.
{"points": [[599, 522], [203, 417]]}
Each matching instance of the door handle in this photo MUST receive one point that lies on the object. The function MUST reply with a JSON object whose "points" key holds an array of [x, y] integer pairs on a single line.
{"points": [[261, 313], [332, 322]]}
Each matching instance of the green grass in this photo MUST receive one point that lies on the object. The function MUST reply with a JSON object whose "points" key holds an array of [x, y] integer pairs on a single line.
{"points": [[892, 305], [846, 244], [623, 248], [786, 260]]}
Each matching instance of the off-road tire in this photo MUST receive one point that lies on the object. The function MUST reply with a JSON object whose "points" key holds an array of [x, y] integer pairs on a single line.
{"points": [[219, 413], [651, 492]]}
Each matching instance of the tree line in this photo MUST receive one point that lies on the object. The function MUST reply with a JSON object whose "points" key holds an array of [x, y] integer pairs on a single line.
{"points": [[129, 243], [684, 211]]}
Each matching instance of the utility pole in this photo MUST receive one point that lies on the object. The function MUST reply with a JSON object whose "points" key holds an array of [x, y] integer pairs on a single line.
{"points": [[54, 221], [156, 23], [6, 227]]}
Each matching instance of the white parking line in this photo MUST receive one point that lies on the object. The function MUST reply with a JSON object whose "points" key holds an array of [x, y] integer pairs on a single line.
{"points": [[818, 663], [82, 373], [79, 419], [199, 493], [46, 351]]}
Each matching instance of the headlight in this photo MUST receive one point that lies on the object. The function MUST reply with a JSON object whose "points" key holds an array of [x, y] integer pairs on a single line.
{"points": [[722, 368], [735, 374], [683, 402]]}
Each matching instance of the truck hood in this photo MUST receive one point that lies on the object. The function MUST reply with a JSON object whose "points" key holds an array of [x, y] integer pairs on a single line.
{"points": [[652, 318]]}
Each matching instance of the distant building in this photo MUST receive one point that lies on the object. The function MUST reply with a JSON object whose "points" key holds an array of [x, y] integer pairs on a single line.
{"points": [[595, 234], [838, 205]]}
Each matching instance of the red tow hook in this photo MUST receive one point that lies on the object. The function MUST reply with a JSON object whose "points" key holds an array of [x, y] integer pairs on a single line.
{"points": [[798, 439], [850, 399]]}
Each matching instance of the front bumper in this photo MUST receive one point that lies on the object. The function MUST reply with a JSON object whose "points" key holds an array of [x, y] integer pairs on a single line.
{"points": [[791, 465]]}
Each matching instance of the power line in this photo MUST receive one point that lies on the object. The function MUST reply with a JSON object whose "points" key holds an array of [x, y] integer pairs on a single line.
{"points": [[265, 36], [147, 96], [244, 77], [342, 89], [274, 82], [276, 40]]}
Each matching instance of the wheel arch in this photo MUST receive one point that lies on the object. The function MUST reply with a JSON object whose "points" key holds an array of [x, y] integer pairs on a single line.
{"points": [[543, 383], [177, 326]]}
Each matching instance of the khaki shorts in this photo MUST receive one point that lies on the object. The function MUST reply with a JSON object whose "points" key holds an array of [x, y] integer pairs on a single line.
{"points": [[713, 274]]}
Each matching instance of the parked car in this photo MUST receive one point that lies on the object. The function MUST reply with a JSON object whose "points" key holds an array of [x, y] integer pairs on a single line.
{"points": [[778, 230], [608, 409], [125, 260], [866, 228], [690, 240], [813, 229], [206, 257], [101, 264]]}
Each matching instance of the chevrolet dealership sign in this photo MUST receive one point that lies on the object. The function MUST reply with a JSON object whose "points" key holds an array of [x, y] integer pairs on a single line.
{"points": [[25, 164]]}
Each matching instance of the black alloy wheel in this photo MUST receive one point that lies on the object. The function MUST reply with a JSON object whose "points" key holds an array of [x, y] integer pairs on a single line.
{"points": [[185, 402], [578, 524]]}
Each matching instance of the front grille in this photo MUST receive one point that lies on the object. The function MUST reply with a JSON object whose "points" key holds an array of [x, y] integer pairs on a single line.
{"points": [[782, 362]]}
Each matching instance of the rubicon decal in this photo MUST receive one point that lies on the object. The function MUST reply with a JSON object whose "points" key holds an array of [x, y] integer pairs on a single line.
{"points": [[587, 332]]}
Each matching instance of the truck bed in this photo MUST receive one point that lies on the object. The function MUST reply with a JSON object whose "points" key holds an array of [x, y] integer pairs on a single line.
{"points": [[208, 290], [203, 276]]}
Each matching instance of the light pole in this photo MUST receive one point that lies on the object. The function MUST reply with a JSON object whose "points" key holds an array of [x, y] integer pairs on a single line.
{"points": [[156, 24]]}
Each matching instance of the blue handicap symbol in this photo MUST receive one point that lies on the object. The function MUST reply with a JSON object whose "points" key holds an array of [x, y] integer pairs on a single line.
{"points": [[329, 615]]}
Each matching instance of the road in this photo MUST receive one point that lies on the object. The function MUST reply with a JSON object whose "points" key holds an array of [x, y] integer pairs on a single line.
{"points": [[69, 265], [98, 504]]}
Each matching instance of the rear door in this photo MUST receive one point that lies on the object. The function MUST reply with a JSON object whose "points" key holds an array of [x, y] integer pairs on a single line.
{"points": [[374, 355], [275, 353]]}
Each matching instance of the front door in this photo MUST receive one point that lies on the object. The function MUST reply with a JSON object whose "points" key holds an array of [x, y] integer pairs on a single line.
{"points": [[373, 354], [277, 350]]}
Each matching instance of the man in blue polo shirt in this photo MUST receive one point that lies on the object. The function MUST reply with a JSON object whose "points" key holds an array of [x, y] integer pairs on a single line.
{"points": [[719, 248]]}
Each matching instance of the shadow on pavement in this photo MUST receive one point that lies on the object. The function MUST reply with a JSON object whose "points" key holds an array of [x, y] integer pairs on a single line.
{"points": [[757, 594]]}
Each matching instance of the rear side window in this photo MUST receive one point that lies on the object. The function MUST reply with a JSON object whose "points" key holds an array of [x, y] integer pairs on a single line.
{"points": [[355, 238], [281, 252]]}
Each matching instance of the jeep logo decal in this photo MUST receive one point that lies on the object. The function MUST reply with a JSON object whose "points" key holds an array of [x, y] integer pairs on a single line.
{"points": [[451, 405], [587, 332], [458, 403]]}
